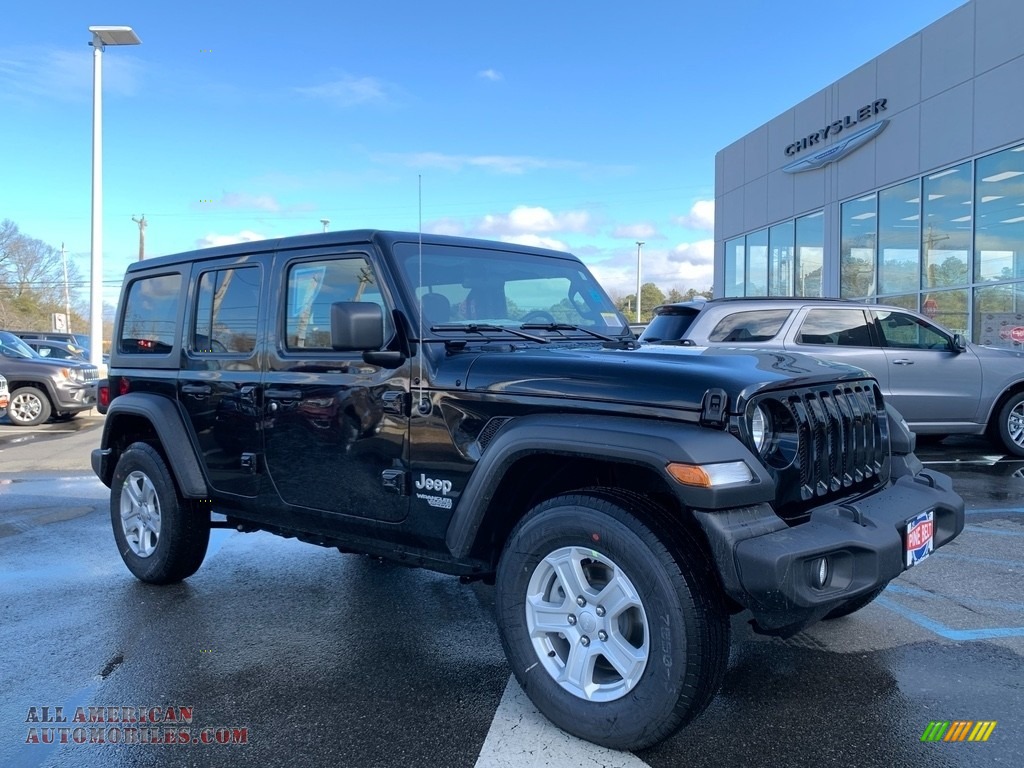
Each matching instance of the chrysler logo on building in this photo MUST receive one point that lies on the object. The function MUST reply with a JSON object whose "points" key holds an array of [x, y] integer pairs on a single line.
{"points": [[838, 149]]}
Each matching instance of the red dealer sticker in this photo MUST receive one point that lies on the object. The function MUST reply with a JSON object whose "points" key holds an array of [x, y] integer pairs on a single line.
{"points": [[1017, 334]]}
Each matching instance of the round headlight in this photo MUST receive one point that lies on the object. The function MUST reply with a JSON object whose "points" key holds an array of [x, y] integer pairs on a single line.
{"points": [[760, 428]]}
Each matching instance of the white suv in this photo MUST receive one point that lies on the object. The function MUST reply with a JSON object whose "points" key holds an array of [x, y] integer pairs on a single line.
{"points": [[939, 382]]}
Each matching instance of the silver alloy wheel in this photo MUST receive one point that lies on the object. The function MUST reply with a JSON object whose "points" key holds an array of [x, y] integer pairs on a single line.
{"points": [[26, 406], [1015, 424], [140, 514], [587, 624]]}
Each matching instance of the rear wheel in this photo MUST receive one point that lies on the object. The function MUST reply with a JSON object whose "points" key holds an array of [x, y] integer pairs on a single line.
{"points": [[29, 406], [1011, 424], [161, 537], [617, 635]]}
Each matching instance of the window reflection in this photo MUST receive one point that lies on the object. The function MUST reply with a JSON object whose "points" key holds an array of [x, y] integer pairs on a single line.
{"points": [[946, 227], [810, 250], [899, 238], [757, 263], [780, 247], [735, 267], [857, 248], [999, 192]]}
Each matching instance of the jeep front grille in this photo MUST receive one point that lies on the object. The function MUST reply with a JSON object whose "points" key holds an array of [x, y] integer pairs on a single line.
{"points": [[841, 442]]}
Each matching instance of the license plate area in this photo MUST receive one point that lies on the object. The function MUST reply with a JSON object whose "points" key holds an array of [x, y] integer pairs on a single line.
{"points": [[918, 538]]}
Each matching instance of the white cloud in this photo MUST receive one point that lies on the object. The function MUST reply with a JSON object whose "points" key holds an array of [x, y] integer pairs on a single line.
{"points": [[642, 231], [490, 74], [525, 219], [701, 253], [536, 241], [514, 165], [701, 216], [245, 236], [349, 91], [688, 265], [55, 74]]}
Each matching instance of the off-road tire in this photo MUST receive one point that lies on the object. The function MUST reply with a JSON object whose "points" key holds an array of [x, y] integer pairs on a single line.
{"points": [[144, 492], [687, 626]]}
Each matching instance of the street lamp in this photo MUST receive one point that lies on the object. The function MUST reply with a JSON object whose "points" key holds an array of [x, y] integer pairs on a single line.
{"points": [[101, 38], [639, 262], [325, 222]]}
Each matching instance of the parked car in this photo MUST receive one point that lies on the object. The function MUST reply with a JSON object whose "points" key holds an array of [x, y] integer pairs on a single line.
{"points": [[482, 409], [41, 388], [5, 396], [58, 350], [80, 340], [940, 383]]}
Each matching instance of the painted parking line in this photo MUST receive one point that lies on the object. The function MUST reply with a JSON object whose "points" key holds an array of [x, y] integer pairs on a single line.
{"points": [[521, 736], [996, 511], [959, 635], [981, 602], [992, 531]]}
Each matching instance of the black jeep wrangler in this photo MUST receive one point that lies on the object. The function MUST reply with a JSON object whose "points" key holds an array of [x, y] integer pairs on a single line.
{"points": [[483, 410]]}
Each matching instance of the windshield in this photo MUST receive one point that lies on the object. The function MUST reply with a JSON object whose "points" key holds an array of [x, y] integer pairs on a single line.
{"points": [[12, 346], [477, 286]]}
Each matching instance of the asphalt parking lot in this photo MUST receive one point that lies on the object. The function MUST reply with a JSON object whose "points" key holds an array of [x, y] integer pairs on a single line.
{"points": [[287, 654]]}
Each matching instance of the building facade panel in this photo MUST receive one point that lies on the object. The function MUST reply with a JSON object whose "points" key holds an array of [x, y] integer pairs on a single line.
{"points": [[947, 126], [947, 52], [900, 183], [999, 105], [999, 25], [898, 148]]}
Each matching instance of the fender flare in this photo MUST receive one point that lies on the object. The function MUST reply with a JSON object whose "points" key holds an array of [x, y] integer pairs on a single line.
{"points": [[167, 421], [642, 442]]}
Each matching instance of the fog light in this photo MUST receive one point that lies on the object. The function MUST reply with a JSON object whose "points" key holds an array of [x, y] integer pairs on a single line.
{"points": [[821, 573]]}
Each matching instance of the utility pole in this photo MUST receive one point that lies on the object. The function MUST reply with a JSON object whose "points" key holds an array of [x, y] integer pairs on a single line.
{"points": [[67, 299], [142, 235], [639, 270], [325, 222]]}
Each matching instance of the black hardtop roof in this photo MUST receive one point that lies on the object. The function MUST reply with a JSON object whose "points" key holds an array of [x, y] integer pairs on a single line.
{"points": [[327, 239]]}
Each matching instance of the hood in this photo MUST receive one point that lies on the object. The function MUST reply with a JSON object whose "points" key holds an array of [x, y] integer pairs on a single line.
{"points": [[675, 377]]}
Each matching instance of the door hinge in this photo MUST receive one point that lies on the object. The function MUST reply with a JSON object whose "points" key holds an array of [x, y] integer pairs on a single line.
{"points": [[393, 480], [396, 402], [249, 462]]}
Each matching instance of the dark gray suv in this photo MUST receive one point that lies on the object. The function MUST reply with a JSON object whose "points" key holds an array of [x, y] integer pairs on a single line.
{"points": [[940, 383], [41, 388]]}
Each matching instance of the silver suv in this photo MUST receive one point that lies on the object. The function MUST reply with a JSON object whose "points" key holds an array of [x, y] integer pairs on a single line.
{"points": [[942, 384]]}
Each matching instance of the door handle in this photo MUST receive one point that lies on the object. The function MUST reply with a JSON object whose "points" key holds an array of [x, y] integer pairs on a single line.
{"points": [[196, 389], [903, 361], [284, 394]]}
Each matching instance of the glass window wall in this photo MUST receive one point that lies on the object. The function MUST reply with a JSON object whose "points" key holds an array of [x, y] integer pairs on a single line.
{"points": [[857, 247]]}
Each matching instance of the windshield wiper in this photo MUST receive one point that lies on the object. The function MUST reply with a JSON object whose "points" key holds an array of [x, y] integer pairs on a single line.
{"points": [[610, 341], [482, 329]]}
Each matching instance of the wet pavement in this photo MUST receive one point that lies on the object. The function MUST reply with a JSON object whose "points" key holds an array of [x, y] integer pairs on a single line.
{"points": [[314, 658]]}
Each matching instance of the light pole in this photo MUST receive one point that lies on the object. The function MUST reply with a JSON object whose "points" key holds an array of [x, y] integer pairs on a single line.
{"points": [[639, 271], [325, 222], [101, 38]]}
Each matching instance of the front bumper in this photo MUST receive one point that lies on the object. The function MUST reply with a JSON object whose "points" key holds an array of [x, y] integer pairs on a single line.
{"points": [[76, 397], [768, 567]]}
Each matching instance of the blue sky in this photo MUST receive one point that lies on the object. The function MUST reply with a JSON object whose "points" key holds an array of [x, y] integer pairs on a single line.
{"points": [[578, 125]]}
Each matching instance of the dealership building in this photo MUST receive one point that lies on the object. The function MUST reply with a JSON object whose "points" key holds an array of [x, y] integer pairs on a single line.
{"points": [[901, 183]]}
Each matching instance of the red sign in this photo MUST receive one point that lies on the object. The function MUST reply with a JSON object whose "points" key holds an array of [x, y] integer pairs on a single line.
{"points": [[920, 535], [1017, 334]]}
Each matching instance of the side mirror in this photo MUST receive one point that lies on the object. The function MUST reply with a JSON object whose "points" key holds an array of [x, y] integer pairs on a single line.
{"points": [[959, 345], [356, 326]]}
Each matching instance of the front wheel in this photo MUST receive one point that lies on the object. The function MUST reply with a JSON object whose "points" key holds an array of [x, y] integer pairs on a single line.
{"points": [[617, 635], [1011, 425], [161, 537], [28, 406]]}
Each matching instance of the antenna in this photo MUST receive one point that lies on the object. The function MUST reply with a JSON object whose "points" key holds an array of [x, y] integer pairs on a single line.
{"points": [[419, 291]]}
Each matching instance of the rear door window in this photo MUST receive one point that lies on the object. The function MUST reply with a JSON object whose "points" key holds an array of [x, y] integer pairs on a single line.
{"points": [[835, 327]]}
